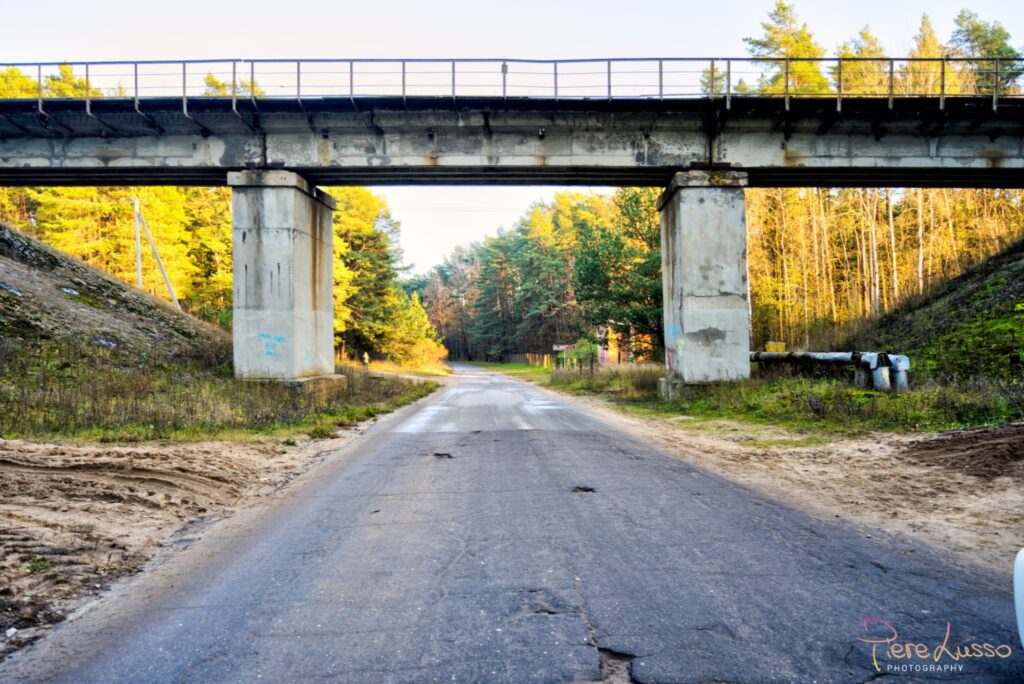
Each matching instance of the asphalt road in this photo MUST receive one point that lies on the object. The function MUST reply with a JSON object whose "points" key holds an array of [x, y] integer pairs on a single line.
{"points": [[494, 533]]}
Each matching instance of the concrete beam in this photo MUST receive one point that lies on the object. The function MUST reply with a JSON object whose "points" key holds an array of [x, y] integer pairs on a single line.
{"points": [[283, 305], [704, 279], [591, 143]]}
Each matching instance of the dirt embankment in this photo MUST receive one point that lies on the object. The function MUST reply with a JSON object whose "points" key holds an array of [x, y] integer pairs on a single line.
{"points": [[45, 294], [961, 491], [74, 518]]}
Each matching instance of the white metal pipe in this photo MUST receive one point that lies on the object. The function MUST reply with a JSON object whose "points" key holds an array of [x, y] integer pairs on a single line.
{"points": [[879, 370]]}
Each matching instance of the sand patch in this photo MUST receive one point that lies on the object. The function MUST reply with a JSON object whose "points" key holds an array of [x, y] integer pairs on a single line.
{"points": [[74, 518]]}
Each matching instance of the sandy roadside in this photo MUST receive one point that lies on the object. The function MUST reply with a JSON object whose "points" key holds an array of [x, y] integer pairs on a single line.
{"points": [[960, 491], [73, 518]]}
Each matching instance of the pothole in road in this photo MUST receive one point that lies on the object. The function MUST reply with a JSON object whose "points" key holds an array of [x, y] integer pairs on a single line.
{"points": [[615, 666], [583, 489], [542, 602], [442, 455]]}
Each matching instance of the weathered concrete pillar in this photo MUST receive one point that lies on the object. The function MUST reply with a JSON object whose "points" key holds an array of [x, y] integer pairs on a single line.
{"points": [[283, 322], [704, 279]]}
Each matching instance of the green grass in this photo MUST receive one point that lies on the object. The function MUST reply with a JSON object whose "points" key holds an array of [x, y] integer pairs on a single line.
{"points": [[991, 345], [37, 564], [53, 389], [88, 301], [970, 326], [809, 406]]}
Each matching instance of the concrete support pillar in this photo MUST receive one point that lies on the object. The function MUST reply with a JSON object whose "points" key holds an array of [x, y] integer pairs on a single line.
{"points": [[283, 322], [704, 279]]}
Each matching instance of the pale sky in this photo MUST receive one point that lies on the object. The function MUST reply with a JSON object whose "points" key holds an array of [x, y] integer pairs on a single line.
{"points": [[436, 219]]}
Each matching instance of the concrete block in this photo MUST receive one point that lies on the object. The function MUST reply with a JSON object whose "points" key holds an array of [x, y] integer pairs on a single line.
{"points": [[283, 302], [670, 388], [322, 389], [704, 277]]}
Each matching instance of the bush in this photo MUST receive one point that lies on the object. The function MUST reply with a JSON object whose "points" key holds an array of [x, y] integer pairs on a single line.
{"points": [[426, 354], [630, 381]]}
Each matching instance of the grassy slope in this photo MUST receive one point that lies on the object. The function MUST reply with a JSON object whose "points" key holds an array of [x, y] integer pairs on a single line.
{"points": [[83, 355], [970, 325]]}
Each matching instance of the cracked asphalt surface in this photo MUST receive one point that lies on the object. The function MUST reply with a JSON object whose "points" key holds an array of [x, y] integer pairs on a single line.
{"points": [[495, 533]]}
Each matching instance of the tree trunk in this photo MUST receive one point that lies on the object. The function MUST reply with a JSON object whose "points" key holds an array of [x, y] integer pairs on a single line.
{"points": [[892, 245], [920, 241]]}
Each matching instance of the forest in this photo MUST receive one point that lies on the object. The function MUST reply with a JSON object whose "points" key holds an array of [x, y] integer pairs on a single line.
{"points": [[822, 262]]}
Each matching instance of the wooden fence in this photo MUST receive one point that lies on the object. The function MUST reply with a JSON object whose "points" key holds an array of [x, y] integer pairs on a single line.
{"points": [[532, 359]]}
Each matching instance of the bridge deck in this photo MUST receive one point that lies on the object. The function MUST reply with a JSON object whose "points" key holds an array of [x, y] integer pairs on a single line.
{"points": [[920, 141]]}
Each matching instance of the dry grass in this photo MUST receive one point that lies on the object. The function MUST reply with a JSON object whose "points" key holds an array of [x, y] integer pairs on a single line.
{"points": [[829, 404], [628, 381], [426, 370], [57, 388]]}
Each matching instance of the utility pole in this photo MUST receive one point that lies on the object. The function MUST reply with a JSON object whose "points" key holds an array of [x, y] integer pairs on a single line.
{"points": [[138, 246], [140, 219]]}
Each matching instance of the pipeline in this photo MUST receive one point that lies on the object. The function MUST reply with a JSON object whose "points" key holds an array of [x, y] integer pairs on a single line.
{"points": [[878, 370]]}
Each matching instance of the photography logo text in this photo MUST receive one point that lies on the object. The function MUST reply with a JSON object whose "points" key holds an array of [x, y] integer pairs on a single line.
{"points": [[890, 653]]}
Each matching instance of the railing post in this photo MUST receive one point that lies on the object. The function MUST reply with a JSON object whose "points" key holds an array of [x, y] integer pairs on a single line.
{"points": [[453, 79], [942, 84], [184, 88], [252, 80], [88, 104], [892, 82], [504, 80], [995, 88], [787, 84], [403, 79], [711, 88], [234, 86], [609, 80], [351, 79], [661, 79], [728, 84], [39, 86], [555, 64], [839, 86], [135, 81], [298, 80]]}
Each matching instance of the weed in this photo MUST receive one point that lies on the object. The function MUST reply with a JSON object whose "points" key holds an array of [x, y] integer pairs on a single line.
{"points": [[37, 564], [322, 430]]}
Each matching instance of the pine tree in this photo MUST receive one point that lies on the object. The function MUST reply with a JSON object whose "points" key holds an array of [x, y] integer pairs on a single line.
{"points": [[784, 44], [923, 77], [863, 78], [983, 42]]}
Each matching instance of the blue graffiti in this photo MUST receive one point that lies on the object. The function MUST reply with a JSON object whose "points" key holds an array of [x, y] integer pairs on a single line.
{"points": [[271, 342]]}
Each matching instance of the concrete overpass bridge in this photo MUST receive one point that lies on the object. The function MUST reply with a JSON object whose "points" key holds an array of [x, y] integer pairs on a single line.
{"points": [[276, 129]]}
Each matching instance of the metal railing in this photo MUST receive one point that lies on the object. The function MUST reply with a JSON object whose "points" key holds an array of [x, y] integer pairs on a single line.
{"points": [[573, 79]]}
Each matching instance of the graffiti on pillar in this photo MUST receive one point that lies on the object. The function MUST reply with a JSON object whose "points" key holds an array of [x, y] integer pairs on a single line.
{"points": [[271, 343], [674, 343]]}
